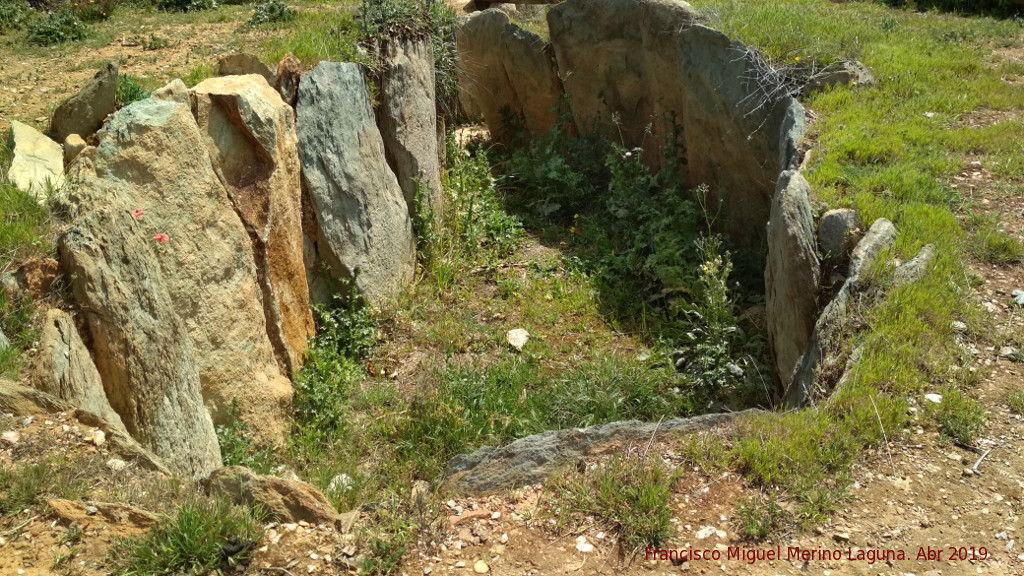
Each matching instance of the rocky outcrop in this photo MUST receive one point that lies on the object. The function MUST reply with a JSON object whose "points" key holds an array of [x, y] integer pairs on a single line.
{"points": [[83, 113], [284, 500], [164, 271], [407, 117], [250, 133], [361, 213], [828, 328], [532, 459], [792, 274], [243, 64], [505, 69], [37, 163], [63, 368]]}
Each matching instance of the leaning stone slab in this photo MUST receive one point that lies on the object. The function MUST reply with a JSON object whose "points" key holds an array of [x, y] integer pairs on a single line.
{"points": [[532, 459], [407, 117], [38, 162], [792, 274], [83, 113], [359, 207], [250, 134]]}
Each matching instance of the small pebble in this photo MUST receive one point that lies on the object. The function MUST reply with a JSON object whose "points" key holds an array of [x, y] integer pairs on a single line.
{"points": [[481, 567]]}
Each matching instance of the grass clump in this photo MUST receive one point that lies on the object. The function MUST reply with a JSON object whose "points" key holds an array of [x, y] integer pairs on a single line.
{"points": [[189, 541], [198, 74], [129, 90], [26, 486], [758, 517], [1015, 400], [271, 12], [629, 494], [990, 243], [60, 27], [960, 418]]}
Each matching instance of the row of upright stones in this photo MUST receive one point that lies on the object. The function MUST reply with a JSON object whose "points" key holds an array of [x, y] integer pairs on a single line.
{"points": [[204, 223], [647, 74]]}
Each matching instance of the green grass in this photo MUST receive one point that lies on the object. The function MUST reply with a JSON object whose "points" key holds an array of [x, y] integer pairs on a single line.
{"points": [[331, 34], [960, 418], [26, 486], [628, 494], [189, 541], [758, 517], [990, 243], [1015, 400]]}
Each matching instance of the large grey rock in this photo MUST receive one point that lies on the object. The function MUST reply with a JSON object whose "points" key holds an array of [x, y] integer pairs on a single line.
{"points": [[828, 329], [835, 231], [250, 133], [630, 64], [505, 69], [407, 117], [37, 164], [360, 210], [792, 274], [164, 271], [64, 368], [83, 113], [532, 459], [173, 91]]}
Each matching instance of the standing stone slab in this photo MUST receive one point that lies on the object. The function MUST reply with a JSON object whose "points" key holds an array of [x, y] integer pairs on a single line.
{"points": [[359, 207], [484, 87], [792, 274], [38, 162], [64, 368], [250, 134], [529, 63], [164, 270], [407, 117], [83, 113]]}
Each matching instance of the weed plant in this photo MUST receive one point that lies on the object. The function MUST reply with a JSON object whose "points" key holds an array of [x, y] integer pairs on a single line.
{"points": [[58, 28], [271, 12], [129, 90]]}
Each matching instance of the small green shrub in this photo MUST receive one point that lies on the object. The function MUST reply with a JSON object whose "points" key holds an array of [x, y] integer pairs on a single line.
{"points": [[384, 557], [628, 494], [1016, 402], [391, 18], [59, 28], [198, 74], [758, 517], [960, 418], [14, 15], [190, 542], [237, 447], [129, 90], [271, 12]]}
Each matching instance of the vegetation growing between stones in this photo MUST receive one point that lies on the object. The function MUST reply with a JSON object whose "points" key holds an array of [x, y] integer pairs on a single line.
{"points": [[25, 487], [195, 539], [628, 494], [129, 90]]}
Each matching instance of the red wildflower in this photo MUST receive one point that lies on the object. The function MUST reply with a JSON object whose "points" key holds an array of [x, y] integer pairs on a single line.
{"points": [[161, 238], [137, 213]]}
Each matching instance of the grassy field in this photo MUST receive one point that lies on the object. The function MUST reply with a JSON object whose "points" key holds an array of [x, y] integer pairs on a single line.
{"points": [[387, 397]]}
